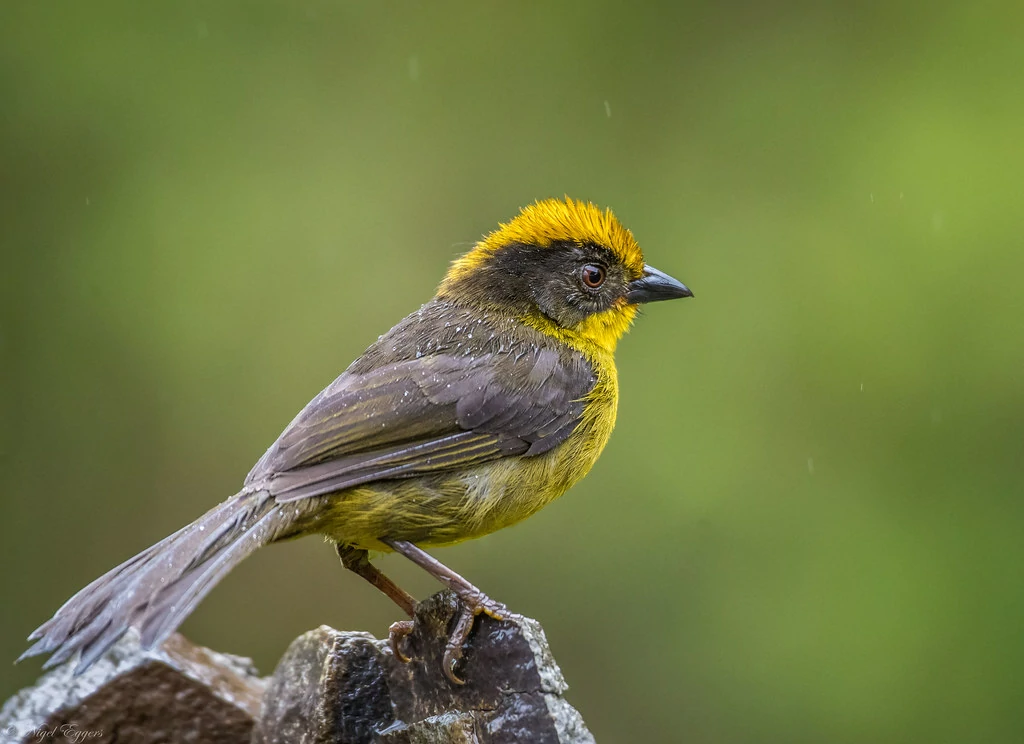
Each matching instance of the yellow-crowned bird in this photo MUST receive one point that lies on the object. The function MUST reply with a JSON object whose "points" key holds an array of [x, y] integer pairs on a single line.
{"points": [[469, 415]]}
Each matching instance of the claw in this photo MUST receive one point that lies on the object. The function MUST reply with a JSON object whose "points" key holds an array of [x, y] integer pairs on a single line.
{"points": [[469, 608], [396, 634], [472, 602], [453, 649]]}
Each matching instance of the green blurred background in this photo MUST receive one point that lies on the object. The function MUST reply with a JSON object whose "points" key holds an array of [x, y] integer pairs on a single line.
{"points": [[808, 524]]}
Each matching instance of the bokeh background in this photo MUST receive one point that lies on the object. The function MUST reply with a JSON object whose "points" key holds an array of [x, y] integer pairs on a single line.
{"points": [[808, 524]]}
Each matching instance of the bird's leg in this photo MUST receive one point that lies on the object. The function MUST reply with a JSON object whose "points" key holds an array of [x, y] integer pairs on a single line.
{"points": [[358, 562], [473, 601]]}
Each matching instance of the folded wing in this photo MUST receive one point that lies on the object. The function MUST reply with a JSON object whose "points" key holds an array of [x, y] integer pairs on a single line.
{"points": [[427, 415]]}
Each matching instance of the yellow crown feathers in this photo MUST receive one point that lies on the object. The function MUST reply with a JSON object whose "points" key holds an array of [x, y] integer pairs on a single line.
{"points": [[553, 220]]}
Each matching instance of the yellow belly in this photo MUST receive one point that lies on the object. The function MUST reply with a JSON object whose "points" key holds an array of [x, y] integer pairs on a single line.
{"points": [[450, 508]]}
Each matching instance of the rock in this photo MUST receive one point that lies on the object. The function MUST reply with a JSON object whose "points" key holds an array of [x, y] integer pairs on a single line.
{"points": [[178, 693], [330, 687], [513, 691], [348, 688]]}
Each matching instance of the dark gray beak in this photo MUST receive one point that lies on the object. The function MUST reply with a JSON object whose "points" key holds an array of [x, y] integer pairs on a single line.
{"points": [[655, 286]]}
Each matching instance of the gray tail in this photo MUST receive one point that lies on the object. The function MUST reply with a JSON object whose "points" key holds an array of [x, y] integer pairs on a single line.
{"points": [[157, 589]]}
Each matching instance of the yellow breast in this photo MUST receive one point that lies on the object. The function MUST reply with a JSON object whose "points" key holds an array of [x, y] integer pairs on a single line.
{"points": [[505, 492], [464, 505]]}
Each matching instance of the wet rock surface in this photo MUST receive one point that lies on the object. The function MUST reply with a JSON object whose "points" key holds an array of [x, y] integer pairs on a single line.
{"points": [[178, 693], [513, 690], [330, 686]]}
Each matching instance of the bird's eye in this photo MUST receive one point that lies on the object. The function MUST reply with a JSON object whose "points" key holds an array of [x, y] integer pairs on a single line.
{"points": [[592, 275]]}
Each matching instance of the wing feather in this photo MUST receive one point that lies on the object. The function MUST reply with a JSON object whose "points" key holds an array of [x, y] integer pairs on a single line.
{"points": [[434, 413]]}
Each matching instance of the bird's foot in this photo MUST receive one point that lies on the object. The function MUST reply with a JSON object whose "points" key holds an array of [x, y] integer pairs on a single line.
{"points": [[472, 602], [396, 634], [470, 605]]}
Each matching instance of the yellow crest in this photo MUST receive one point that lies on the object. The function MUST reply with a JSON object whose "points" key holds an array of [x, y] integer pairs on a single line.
{"points": [[553, 220]]}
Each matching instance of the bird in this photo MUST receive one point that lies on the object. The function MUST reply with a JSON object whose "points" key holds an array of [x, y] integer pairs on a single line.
{"points": [[469, 415]]}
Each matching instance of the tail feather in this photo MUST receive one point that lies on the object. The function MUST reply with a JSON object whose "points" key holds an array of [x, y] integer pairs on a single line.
{"points": [[177, 602], [87, 603], [158, 588]]}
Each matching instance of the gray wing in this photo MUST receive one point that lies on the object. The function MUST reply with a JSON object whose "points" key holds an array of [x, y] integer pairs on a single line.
{"points": [[427, 415]]}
